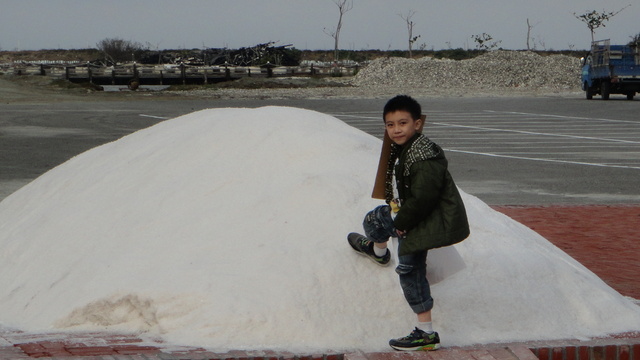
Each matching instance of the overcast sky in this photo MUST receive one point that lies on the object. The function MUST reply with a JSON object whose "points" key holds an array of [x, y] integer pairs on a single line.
{"points": [[371, 24]]}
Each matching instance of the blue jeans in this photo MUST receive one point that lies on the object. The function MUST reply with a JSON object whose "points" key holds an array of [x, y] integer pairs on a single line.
{"points": [[378, 224], [412, 268]]}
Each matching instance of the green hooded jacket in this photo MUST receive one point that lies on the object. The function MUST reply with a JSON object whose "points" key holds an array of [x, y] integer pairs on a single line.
{"points": [[431, 208]]}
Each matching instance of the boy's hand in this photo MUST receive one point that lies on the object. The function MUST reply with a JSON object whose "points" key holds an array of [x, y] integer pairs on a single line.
{"points": [[395, 207], [401, 233]]}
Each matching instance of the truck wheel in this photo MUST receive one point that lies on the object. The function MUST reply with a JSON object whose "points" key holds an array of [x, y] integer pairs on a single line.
{"points": [[630, 95], [588, 91], [605, 89]]}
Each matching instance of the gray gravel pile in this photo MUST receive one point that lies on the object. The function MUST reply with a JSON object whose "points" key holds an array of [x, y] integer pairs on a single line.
{"points": [[495, 70]]}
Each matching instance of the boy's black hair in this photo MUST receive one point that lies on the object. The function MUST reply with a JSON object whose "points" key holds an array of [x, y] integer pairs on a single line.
{"points": [[403, 103]]}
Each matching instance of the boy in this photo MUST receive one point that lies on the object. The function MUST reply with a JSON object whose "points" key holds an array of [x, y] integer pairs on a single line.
{"points": [[424, 211]]}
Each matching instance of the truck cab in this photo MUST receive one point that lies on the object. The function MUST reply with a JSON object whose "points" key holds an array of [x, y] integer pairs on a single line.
{"points": [[611, 69]]}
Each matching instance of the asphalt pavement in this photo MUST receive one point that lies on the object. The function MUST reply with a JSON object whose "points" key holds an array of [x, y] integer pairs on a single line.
{"points": [[506, 151]]}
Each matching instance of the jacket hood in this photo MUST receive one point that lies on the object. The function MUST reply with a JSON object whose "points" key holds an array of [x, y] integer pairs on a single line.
{"points": [[420, 148]]}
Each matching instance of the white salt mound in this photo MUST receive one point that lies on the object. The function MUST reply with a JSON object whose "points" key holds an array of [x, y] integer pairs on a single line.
{"points": [[227, 229]]}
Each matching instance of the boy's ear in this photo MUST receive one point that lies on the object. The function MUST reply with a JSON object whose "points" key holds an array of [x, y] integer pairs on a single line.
{"points": [[422, 119]]}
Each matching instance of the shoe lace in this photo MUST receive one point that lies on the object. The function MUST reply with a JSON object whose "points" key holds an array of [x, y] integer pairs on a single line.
{"points": [[416, 333]]}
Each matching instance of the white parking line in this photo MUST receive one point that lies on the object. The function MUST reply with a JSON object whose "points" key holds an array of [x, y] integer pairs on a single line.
{"points": [[544, 160], [536, 133], [154, 117], [561, 116]]}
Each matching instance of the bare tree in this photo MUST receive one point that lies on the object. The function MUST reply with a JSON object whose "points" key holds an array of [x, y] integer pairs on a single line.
{"points": [[410, 23], [595, 19], [529, 27], [343, 7]]}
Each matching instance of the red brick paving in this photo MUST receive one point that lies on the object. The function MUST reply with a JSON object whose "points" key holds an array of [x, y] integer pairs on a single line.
{"points": [[603, 238], [16, 345], [75, 344]]}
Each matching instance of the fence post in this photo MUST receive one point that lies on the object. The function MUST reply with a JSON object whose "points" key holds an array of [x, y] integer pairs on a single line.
{"points": [[269, 66]]}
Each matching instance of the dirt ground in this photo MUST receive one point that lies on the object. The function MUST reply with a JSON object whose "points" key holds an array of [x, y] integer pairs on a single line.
{"points": [[32, 88]]}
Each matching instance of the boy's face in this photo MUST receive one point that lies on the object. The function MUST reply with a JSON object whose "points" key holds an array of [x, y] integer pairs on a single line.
{"points": [[401, 126]]}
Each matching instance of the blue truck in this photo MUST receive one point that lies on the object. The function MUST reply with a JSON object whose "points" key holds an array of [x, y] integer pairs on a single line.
{"points": [[611, 69]]}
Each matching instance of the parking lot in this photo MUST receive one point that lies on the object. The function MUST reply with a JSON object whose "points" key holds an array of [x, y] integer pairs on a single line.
{"points": [[507, 151], [534, 157], [526, 136]]}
